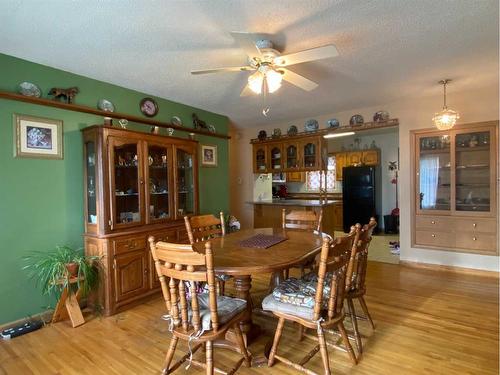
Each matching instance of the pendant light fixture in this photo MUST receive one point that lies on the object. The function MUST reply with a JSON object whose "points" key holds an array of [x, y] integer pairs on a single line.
{"points": [[447, 118]]}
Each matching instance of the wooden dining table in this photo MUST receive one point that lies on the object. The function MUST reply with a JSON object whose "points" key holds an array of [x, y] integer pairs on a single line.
{"points": [[231, 258]]}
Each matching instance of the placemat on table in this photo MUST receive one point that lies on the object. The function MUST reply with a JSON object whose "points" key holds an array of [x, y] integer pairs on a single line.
{"points": [[262, 241]]}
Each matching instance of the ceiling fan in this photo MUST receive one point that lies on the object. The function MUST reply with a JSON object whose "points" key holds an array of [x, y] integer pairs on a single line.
{"points": [[269, 65]]}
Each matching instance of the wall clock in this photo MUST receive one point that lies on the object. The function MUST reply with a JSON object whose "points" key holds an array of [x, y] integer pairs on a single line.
{"points": [[149, 107]]}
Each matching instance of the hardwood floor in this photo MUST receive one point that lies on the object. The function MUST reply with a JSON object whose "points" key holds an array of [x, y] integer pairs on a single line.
{"points": [[428, 322]]}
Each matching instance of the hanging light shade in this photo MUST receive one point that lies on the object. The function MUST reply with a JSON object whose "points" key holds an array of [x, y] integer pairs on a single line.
{"points": [[447, 118], [272, 80]]}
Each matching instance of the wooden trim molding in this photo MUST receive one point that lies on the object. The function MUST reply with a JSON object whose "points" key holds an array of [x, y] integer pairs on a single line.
{"points": [[98, 112], [452, 269]]}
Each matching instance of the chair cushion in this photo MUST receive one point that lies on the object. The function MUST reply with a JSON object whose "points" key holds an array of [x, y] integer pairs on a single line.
{"points": [[271, 304], [302, 292], [227, 308]]}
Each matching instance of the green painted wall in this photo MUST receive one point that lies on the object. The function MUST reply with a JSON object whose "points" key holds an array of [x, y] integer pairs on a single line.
{"points": [[41, 201]]}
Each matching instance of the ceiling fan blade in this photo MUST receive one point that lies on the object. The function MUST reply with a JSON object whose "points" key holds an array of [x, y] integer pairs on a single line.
{"points": [[220, 70], [307, 55], [247, 91], [298, 80], [247, 43]]}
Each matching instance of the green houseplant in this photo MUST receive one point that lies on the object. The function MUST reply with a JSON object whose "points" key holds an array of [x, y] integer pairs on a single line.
{"points": [[52, 270]]}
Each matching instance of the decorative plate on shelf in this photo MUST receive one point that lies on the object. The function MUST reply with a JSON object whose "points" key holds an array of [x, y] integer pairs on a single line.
{"points": [[381, 116], [311, 125], [356, 120], [29, 89], [333, 123], [148, 107], [105, 105], [292, 130], [276, 133], [176, 120], [211, 128]]}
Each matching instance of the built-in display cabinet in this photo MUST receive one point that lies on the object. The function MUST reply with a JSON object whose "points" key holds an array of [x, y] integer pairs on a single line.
{"points": [[291, 154], [455, 188], [135, 185]]}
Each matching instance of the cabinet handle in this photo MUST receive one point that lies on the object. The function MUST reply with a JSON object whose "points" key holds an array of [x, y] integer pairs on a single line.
{"points": [[433, 222], [474, 238], [142, 182], [146, 271], [474, 225], [433, 235]]}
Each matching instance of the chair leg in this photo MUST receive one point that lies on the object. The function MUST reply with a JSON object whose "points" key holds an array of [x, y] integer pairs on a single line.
{"points": [[277, 336], [170, 354], [347, 344], [210, 358], [323, 351], [241, 344], [365, 309], [222, 287], [354, 320], [287, 273], [301, 332]]}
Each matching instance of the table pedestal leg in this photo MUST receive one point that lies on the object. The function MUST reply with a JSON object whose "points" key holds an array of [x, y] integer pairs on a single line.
{"points": [[242, 285]]}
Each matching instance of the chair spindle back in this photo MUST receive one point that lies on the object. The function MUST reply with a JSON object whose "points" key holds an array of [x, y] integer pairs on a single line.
{"points": [[361, 257], [302, 220], [204, 227], [176, 266]]}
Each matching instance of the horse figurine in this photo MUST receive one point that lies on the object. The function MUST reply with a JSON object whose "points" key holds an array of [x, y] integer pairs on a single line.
{"points": [[199, 123], [67, 94]]}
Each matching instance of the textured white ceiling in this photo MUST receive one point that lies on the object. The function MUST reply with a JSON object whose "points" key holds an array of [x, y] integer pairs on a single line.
{"points": [[388, 48]]}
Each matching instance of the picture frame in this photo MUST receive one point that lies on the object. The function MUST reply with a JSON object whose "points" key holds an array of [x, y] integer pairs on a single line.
{"points": [[208, 155], [38, 137]]}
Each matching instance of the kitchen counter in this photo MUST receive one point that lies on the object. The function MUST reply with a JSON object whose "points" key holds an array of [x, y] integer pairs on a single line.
{"points": [[268, 214], [298, 202]]}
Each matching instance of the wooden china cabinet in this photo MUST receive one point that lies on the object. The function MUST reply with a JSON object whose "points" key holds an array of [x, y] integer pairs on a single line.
{"points": [[135, 185], [455, 188]]}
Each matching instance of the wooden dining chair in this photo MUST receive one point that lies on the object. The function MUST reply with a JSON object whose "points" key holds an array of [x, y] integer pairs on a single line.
{"points": [[315, 303], [306, 221], [355, 286], [202, 228], [198, 318]]}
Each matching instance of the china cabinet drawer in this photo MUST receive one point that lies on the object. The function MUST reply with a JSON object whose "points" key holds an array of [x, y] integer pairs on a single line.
{"points": [[476, 225], [476, 241], [434, 223], [165, 236], [124, 245], [434, 238]]}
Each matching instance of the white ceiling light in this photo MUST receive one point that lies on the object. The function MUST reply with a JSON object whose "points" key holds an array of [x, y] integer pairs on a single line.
{"points": [[337, 135], [267, 76], [447, 118]]}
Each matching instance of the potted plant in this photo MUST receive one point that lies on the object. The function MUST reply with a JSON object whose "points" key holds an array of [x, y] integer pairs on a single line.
{"points": [[54, 269]]}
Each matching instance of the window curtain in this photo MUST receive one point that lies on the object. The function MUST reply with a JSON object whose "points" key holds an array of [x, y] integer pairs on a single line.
{"points": [[429, 178], [313, 178]]}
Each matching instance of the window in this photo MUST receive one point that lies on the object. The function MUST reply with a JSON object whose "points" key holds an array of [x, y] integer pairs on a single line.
{"points": [[313, 178]]}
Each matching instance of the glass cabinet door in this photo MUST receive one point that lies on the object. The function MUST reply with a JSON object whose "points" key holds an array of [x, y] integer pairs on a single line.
{"points": [[185, 183], [126, 182], [434, 172], [91, 203], [260, 164], [310, 155], [158, 177], [291, 156], [472, 171], [275, 157]]}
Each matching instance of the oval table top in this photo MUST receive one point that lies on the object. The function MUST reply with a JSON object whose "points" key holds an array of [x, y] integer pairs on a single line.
{"points": [[232, 259]]}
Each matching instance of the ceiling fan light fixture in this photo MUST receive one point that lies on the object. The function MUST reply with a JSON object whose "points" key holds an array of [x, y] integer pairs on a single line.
{"points": [[273, 80], [255, 82], [447, 118]]}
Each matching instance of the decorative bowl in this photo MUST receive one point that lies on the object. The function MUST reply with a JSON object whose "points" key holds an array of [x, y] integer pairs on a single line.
{"points": [[333, 123], [311, 125], [356, 120], [381, 116], [29, 89], [292, 130], [176, 120]]}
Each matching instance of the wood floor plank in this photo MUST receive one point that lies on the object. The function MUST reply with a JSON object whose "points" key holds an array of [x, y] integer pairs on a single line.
{"points": [[428, 322]]}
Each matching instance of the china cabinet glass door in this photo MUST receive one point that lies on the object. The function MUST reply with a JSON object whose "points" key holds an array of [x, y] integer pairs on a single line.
{"points": [[158, 182], [126, 182], [260, 159], [275, 157], [310, 155], [434, 173], [185, 183], [472, 171], [90, 154], [291, 156]]}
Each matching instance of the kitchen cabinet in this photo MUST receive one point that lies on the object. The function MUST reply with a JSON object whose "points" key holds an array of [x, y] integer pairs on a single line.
{"points": [[455, 192], [355, 158], [135, 185]]}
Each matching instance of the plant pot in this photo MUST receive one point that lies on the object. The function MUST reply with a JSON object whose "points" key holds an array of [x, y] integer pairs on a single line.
{"points": [[72, 269]]}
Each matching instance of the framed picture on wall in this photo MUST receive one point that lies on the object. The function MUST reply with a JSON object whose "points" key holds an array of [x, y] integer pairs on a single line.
{"points": [[208, 156], [38, 137]]}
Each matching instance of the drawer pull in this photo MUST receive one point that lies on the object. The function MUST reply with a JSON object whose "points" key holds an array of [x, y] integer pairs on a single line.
{"points": [[474, 238], [433, 222], [474, 225], [433, 235]]}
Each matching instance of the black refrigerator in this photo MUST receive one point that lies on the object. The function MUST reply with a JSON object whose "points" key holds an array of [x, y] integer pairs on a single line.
{"points": [[359, 192]]}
